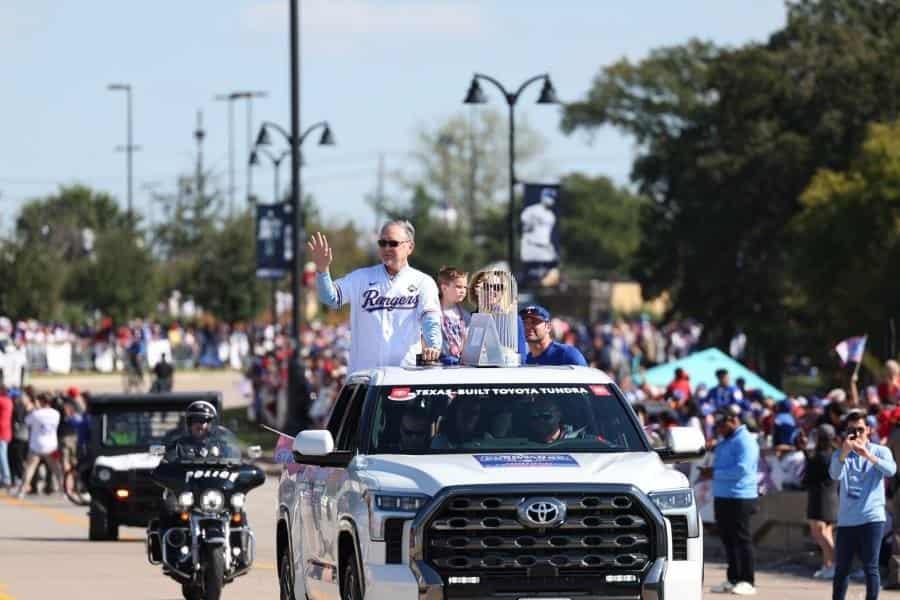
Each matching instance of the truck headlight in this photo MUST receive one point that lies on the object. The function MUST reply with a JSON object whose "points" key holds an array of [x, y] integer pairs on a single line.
{"points": [[400, 503], [212, 501], [186, 499], [674, 499], [237, 500], [385, 506]]}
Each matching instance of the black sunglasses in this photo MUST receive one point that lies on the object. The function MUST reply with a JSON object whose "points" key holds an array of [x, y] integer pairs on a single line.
{"points": [[856, 430], [390, 243]]}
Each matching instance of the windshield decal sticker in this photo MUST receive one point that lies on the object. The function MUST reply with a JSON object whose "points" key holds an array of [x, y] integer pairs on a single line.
{"points": [[402, 394], [489, 461], [408, 394]]}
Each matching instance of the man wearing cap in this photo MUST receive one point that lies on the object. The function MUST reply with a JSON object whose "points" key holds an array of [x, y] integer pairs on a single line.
{"points": [[542, 349], [734, 498]]}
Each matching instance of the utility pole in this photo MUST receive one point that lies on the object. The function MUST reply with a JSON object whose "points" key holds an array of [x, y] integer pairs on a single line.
{"points": [[199, 134], [379, 193]]}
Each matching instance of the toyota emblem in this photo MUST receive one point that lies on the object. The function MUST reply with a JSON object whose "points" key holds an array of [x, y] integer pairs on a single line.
{"points": [[542, 512]]}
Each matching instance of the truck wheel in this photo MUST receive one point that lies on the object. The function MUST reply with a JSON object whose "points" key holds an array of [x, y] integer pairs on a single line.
{"points": [[350, 584], [285, 576], [214, 573], [99, 529]]}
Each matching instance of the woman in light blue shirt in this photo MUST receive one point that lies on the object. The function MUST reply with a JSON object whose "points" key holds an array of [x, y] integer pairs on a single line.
{"points": [[860, 467]]}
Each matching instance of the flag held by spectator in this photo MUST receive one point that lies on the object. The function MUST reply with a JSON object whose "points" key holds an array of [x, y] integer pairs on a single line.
{"points": [[851, 349]]}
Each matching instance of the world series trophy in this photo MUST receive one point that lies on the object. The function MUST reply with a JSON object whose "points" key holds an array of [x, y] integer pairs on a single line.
{"points": [[493, 335]]}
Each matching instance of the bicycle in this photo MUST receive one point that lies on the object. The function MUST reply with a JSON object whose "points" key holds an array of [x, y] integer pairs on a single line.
{"points": [[75, 488]]}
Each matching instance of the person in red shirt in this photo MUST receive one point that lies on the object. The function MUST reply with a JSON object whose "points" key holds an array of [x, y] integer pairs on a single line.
{"points": [[682, 384], [6, 416], [889, 388]]}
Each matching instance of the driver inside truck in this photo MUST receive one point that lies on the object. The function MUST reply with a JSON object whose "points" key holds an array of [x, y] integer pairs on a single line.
{"points": [[415, 429]]}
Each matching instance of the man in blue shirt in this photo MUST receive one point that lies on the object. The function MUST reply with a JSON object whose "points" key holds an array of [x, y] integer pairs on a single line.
{"points": [[734, 498], [542, 349], [860, 466], [724, 394]]}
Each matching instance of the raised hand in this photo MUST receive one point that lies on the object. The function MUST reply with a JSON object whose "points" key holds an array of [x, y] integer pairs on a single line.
{"points": [[319, 251]]}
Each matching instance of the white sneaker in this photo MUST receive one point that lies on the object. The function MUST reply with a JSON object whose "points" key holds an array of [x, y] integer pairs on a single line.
{"points": [[824, 573], [743, 588], [723, 588]]}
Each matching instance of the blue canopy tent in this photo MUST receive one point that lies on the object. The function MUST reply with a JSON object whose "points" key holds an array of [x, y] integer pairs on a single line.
{"points": [[702, 367]]}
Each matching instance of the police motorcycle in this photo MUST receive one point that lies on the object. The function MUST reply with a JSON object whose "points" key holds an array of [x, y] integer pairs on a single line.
{"points": [[202, 538]]}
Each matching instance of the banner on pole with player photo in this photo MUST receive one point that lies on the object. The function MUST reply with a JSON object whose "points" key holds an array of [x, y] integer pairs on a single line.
{"points": [[539, 242], [271, 239]]}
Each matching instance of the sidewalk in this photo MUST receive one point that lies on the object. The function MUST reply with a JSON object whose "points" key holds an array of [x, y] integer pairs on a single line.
{"points": [[788, 582]]}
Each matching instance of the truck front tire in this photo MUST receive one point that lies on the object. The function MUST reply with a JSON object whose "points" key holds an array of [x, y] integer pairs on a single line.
{"points": [[350, 583]]}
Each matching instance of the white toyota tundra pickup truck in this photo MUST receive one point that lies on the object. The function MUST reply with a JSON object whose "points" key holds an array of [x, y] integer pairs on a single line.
{"points": [[527, 483]]}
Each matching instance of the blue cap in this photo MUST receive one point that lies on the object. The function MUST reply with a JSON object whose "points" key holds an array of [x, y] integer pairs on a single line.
{"points": [[535, 310], [14, 392]]}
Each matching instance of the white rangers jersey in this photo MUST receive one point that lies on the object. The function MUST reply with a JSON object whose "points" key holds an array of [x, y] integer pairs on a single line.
{"points": [[386, 314]]}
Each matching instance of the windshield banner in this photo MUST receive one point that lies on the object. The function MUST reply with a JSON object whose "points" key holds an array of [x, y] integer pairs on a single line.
{"points": [[489, 461], [539, 246]]}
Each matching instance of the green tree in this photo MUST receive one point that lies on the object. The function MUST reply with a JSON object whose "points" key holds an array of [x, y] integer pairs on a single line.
{"points": [[728, 139], [848, 243], [599, 226], [464, 162], [224, 276], [119, 279], [32, 282]]}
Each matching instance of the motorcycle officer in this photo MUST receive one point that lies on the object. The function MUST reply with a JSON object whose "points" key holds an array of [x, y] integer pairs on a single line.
{"points": [[204, 437]]}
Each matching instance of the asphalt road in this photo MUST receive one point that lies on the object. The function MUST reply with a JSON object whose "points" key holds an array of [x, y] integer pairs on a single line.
{"points": [[44, 553]]}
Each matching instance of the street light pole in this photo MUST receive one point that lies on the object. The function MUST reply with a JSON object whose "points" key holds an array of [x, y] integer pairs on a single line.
{"points": [[476, 96], [230, 98], [129, 145], [298, 404]]}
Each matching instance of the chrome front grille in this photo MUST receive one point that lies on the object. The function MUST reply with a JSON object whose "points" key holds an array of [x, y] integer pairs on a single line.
{"points": [[471, 534]]}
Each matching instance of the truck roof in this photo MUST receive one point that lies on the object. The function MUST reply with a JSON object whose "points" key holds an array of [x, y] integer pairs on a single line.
{"points": [[167, 401], [567, 374]]}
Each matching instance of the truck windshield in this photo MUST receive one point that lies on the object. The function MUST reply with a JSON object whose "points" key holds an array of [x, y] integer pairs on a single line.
{"points": [[501, 418]]}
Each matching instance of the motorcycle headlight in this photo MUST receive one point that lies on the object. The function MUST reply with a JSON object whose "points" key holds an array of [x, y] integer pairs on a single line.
{"points": [[104, 475], [186, 499], [237, 500], [673, 499], [212, 501]]}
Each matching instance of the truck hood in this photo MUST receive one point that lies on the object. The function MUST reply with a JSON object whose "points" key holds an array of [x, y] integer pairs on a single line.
{"points": [[127, 462], [429, 474]]}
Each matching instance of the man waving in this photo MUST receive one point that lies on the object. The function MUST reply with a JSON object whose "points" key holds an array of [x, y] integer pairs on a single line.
{"points": [[392, 305]]}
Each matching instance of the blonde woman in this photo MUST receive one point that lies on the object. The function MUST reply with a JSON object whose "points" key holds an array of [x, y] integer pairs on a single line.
{"points": [[493, 292]]}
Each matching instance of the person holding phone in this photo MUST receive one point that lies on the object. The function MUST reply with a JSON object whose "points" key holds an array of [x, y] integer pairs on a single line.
{"points": [[860, 467]]}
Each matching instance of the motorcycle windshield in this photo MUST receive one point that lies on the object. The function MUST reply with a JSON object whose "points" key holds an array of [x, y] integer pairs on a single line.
{"points": [[220, 446], [195, 476]]}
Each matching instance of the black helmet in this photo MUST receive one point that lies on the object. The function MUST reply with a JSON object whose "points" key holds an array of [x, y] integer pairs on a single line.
{"points": [[201, 410]]}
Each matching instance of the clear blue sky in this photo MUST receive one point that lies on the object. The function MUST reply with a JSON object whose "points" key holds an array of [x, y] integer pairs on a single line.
{"points": [[376, 69]]}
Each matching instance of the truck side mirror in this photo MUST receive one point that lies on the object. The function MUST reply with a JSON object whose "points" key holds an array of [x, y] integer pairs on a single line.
{"points": [[314, 442], [683, 444]]}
